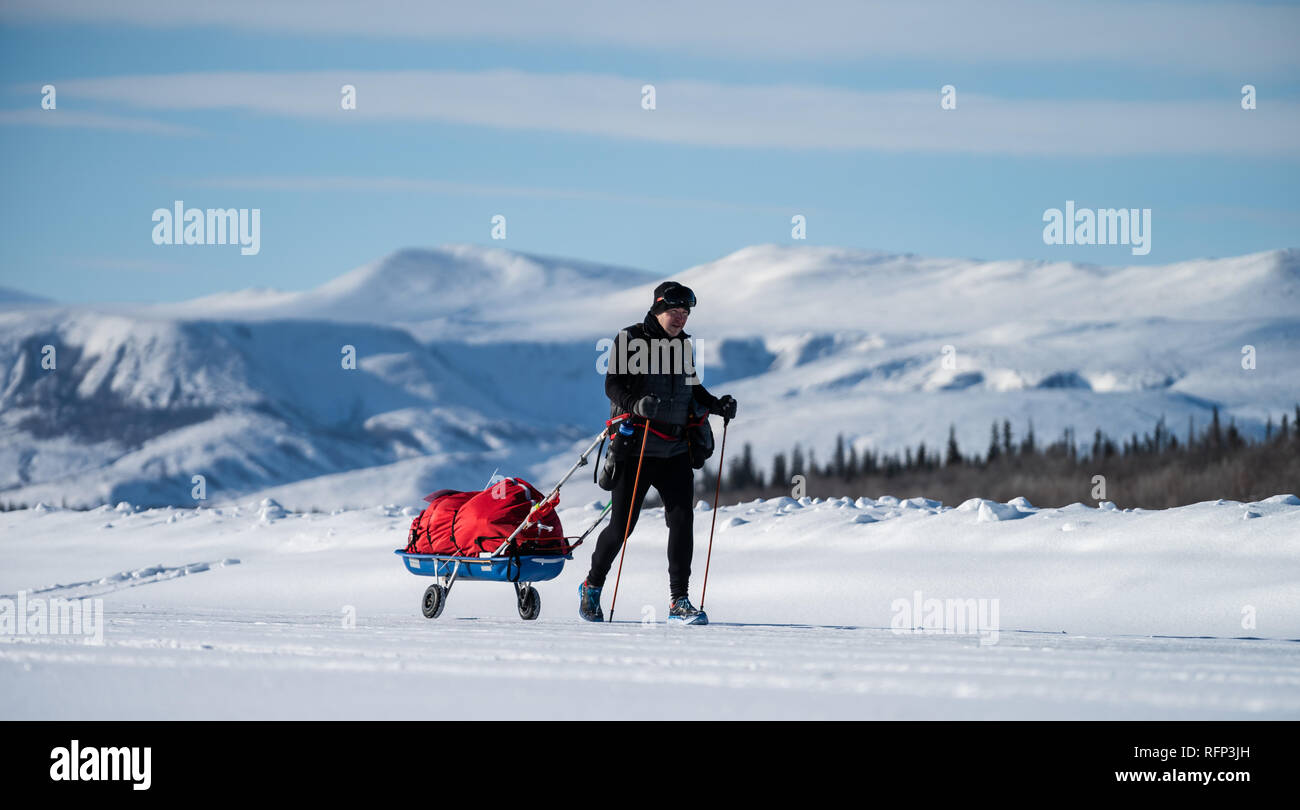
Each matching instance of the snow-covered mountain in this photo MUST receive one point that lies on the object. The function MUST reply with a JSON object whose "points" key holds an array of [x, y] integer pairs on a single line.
{"points": [[457, 292], [470, 359], [831, 289], [134, 408]]}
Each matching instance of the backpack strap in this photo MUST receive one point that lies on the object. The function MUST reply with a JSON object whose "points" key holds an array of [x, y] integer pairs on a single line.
{"points": [[515, 563], [410, 536]]}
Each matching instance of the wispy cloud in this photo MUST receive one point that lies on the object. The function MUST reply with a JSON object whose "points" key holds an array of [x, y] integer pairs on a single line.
{"points": [[388, 185], [1288, 218], [77, 119], [708, 113], [1201, 37], [114, 265]]}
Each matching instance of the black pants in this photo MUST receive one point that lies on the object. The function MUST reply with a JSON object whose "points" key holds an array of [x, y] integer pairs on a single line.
{"points": [[674, 479]]}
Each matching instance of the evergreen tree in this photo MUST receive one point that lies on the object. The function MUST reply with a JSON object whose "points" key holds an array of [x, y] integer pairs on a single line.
{"points": [[780, 478], [1007, 449], [736, 480], [705, 483], [954, 453], [994, 450], [743, 475]]}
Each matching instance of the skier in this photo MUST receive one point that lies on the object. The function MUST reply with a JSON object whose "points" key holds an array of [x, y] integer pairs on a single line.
{"points": [[659, 398]]}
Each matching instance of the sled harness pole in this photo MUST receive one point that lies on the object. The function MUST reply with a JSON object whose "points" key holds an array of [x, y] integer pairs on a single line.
{"points": [[505, 547], [721, 452], [631, 510], [592, 527]]}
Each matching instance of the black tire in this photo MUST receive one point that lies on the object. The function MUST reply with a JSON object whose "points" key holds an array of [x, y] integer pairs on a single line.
{"points": [[435, 599], [530, 603]]}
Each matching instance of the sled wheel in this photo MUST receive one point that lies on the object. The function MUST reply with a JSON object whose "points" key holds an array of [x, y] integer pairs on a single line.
{"points": [[530, 603], [435, 599]]}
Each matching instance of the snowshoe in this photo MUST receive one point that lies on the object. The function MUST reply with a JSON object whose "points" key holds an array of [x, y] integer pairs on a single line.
{"points": [[683, 612], [589, 603]]}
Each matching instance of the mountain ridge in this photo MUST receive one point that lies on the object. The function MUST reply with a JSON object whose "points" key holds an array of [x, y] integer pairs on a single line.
{"points": [[887, 349]]}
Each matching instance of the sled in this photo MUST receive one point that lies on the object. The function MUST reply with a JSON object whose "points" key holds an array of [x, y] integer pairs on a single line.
{"points": [[521, 570], [506, 563]]}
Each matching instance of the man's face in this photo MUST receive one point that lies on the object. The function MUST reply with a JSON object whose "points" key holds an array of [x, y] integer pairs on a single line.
{"points": [[673, 320]]}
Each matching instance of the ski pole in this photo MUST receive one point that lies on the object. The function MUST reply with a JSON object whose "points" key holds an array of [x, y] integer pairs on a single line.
{"points": [[631, 508], [721, 452]]}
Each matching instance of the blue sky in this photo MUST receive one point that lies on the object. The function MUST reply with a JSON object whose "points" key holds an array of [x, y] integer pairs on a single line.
{"points": [[764, 110]]}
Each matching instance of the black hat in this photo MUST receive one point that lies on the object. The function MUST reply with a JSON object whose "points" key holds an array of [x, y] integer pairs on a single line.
{"points": [[671, 295]]}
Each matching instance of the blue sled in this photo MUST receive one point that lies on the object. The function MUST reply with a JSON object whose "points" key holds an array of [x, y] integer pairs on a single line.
{"points": [[519, 571], [525, 568]]}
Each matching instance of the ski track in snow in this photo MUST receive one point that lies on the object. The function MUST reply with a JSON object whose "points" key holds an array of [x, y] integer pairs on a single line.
{"points": [[1105, 613], [122, 579], [305, 666]]}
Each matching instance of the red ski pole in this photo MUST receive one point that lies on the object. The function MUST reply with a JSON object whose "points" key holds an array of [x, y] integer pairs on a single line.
{"points": [[721, 452], [631, 508]]}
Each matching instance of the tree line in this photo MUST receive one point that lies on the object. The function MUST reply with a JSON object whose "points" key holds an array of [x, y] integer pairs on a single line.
{"points": [[1155, 470]]}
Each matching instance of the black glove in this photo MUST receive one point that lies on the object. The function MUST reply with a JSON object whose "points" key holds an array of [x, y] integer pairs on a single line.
{"points": [[647, 406], [727, 407]]}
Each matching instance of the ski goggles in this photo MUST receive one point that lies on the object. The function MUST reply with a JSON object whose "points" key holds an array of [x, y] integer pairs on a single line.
{"points": [[677, 298]]}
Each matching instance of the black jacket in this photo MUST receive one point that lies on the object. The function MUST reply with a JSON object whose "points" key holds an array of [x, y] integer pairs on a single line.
{"points": [[670, 377]]}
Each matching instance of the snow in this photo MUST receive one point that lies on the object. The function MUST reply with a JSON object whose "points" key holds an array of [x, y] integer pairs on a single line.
{"points": [[461, 370], [279, 595], [992, 511], [253, 610], [443, 293]]}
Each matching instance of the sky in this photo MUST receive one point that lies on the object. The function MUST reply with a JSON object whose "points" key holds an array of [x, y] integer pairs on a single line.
{"points": [[763, 110]]}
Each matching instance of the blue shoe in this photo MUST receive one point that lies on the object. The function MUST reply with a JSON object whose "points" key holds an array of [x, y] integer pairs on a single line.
{"points": [[683, 612], [589, 603]]}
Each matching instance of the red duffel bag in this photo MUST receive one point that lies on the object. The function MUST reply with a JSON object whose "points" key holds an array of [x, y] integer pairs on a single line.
{"points": [[470, 523]]}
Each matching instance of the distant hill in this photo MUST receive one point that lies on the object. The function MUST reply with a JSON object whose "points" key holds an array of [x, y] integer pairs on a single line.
{"points": [[471, 359], [453, 292]]}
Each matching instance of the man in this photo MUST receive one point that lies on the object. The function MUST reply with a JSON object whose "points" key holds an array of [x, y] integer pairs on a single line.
{"points": [[660, 396]]}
